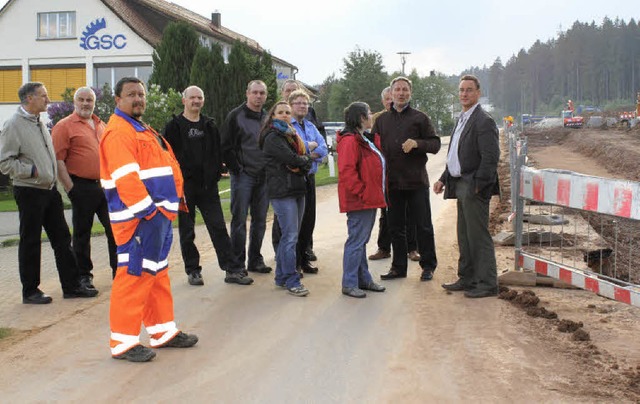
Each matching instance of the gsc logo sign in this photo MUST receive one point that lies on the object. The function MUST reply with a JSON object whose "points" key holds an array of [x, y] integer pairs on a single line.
{"points": [[90, 40]]}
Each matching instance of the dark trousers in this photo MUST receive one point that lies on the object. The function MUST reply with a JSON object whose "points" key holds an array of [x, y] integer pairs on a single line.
{"points": [[207, 201], [416, 201], [248, 194], [384, 237], [477, 262], [305, 235], [87, 200], [37, 209]]}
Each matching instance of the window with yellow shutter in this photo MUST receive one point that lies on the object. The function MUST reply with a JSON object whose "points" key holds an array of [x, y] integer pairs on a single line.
{"points": [[10, 82], [59, 79]]}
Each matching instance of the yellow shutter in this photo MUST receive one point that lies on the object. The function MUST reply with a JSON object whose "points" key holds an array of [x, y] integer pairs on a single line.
{"points": [[10, 82], [58, 80]]}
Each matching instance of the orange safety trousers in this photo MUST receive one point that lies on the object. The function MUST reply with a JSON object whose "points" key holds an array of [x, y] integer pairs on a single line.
{"points": [[141, 292]]}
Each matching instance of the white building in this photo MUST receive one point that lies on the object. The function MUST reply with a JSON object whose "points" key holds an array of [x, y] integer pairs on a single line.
{"points": [[71, 43]]}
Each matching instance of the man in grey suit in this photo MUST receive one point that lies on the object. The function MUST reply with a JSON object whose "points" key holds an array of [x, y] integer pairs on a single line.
{"points": [[471, 177]]}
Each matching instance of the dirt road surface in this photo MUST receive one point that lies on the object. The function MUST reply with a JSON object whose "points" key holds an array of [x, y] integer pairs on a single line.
{"points": [[414, 343]]}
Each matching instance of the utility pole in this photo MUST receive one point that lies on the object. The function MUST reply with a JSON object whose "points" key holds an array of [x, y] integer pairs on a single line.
{"points": [[403, 58]]}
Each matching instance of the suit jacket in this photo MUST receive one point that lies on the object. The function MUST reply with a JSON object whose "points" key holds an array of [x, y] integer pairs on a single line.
{"points": [[479, 153]]}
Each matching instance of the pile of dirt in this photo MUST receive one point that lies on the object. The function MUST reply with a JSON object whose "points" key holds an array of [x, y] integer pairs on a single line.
{"points": [[601, 370]]}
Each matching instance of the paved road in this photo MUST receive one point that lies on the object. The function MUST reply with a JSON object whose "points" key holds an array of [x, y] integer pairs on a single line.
{"points": [[413, 343]]}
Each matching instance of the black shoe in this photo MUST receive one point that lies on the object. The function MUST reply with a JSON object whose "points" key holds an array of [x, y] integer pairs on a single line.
{"points": [[354, 292], [427, 275], [37, 298], [195, 278], [138, 353], [372, 286], [457, 286], [261, 269], [393, 274], [80, 291], [87, 282], [476, 293], [181, 340], [309, 255], [237, 277], [307, 268]]}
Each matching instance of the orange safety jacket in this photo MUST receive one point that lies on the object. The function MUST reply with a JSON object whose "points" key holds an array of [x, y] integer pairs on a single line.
{"points": [[139, 174]]}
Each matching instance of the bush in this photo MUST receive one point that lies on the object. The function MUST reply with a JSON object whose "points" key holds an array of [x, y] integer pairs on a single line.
{"points": [[161, 106]]}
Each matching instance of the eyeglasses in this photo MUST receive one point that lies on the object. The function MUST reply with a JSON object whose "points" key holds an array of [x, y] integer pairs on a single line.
{"points": [[304, 104]]}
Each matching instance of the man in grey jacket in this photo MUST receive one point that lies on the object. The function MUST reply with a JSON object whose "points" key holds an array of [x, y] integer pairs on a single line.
{"points": [[28, 157]]}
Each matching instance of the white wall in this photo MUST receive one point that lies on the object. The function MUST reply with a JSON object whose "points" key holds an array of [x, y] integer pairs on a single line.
{"points": [[19, 31]]}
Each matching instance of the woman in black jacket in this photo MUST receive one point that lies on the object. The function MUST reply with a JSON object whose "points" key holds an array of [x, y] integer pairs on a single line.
{"points": [[287, 165]]}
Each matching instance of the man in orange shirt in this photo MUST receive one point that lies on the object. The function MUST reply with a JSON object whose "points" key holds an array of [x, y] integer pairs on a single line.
{"points": [[76, 139]]}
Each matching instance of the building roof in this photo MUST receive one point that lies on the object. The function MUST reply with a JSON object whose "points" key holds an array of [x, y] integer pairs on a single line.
{"points": [[148, 18]]}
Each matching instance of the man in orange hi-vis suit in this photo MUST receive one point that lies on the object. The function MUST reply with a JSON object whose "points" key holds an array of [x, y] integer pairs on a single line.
{"points": [[143, 185]]}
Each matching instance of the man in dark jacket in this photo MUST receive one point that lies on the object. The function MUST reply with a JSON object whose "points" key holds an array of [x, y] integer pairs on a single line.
{"points": [[407, 136], [471, 177], [196, 143], [246, 163]]}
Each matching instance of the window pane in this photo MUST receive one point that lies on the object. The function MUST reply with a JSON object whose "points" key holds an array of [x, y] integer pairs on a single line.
{"points": [[72, 24], [62, 32], [121, 72], [144, 72], [52, 28], [42, 25], [103, 76]]}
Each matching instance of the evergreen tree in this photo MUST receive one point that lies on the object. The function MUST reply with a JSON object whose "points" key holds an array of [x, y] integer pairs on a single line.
{"points": [[238, 73], [173, 57], [263, 70], [208, 73]]}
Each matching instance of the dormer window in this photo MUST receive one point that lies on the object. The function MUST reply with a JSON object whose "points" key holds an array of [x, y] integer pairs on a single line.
{"points": [[57, 25]]}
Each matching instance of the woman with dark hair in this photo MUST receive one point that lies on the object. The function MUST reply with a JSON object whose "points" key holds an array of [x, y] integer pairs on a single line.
{"points": [[287, 165], [361, 187]]}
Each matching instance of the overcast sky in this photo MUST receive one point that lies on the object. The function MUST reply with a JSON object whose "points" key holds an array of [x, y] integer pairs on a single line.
{"points": [[447, 36]]}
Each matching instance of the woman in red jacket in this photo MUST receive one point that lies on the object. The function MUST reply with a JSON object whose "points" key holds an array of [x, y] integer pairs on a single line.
{"points": [[361, 183]]}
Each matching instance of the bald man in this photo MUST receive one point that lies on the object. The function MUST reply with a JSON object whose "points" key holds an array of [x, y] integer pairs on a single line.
{"points": [[196, 143]]}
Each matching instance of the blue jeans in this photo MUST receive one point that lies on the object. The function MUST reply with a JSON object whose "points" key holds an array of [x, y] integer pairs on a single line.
{"points": [[355, 268], [289, 212], [248, 192]]}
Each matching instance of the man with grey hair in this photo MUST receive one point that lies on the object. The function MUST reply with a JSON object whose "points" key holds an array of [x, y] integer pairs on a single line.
{"points": [[27, 156], [246, 164], [76, 140], [195, 140]]}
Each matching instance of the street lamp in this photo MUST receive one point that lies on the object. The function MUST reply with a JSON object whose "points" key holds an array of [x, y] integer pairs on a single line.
{"points": [[403, 58]]}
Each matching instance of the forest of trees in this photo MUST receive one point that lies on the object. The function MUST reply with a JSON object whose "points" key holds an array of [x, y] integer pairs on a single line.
{"points": [[590, 64]]}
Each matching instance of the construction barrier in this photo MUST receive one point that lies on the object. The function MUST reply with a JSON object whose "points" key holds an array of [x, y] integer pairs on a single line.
{"points": [[574, 193]]}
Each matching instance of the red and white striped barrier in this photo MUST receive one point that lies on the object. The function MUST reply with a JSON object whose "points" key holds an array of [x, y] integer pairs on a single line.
{"points": [[573, 190], [602, 195], [582, 280]]}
